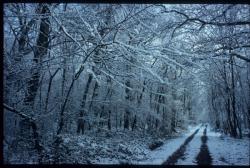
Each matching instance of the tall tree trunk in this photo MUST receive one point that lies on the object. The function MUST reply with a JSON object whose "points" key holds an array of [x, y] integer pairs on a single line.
{"points": [[85, 94], [127, 111], [109, 120], [39, 53], [134, 124], [126, 120], [235, 117]]}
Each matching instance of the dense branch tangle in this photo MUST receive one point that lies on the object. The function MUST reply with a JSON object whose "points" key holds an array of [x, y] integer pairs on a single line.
{"points": [[147, 68]]}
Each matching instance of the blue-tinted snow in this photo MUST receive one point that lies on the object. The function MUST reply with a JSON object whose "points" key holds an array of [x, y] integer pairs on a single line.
{"points": [[228, 151], [161, 154], [192, 150]]}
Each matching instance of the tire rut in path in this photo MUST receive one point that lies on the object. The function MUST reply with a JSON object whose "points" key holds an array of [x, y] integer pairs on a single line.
{"points": [[172, 159], [204, 157]]}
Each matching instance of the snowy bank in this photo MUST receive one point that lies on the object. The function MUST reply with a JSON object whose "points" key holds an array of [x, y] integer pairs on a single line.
{"points": [[228, 151]]}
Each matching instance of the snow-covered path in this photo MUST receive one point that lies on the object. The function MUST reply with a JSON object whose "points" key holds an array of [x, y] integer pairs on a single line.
{"points": [[192, 150], [208, 147], [160, 155], [204, 156], [205, 147]]}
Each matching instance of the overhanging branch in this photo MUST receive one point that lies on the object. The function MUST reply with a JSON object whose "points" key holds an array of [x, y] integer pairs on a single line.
{"points": [[18, 112], [241, 57]]}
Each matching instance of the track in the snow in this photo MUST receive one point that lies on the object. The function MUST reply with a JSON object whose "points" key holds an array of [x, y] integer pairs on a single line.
{"points": [[204, 157], [179, 153]]}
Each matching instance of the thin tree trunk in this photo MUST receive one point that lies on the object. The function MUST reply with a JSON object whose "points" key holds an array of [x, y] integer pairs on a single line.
{"points": [[49, 88], [61, 122], [82, 111], [134, 124], [109, 120]]}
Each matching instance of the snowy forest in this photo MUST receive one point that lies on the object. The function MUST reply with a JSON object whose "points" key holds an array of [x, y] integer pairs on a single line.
{"points": [[126, 83]]}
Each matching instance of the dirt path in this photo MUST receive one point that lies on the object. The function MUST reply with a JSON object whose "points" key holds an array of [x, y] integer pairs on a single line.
{"points": [[179, 153], [204, 158]]}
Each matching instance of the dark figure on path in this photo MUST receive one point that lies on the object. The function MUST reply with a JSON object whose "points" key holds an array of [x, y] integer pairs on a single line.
{"points": [[80, 124]]}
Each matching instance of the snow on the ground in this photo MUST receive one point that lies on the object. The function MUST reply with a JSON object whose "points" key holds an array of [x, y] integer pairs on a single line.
{"points": [[228, 151], [108, 147], [159, 155], [119, 147], [192, 150], [191, 129]]}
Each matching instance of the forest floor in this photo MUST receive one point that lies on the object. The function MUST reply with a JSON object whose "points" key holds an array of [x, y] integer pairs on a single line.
{"points": [[196, 145], [199, 145], [226, 150], [119, 147]]}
